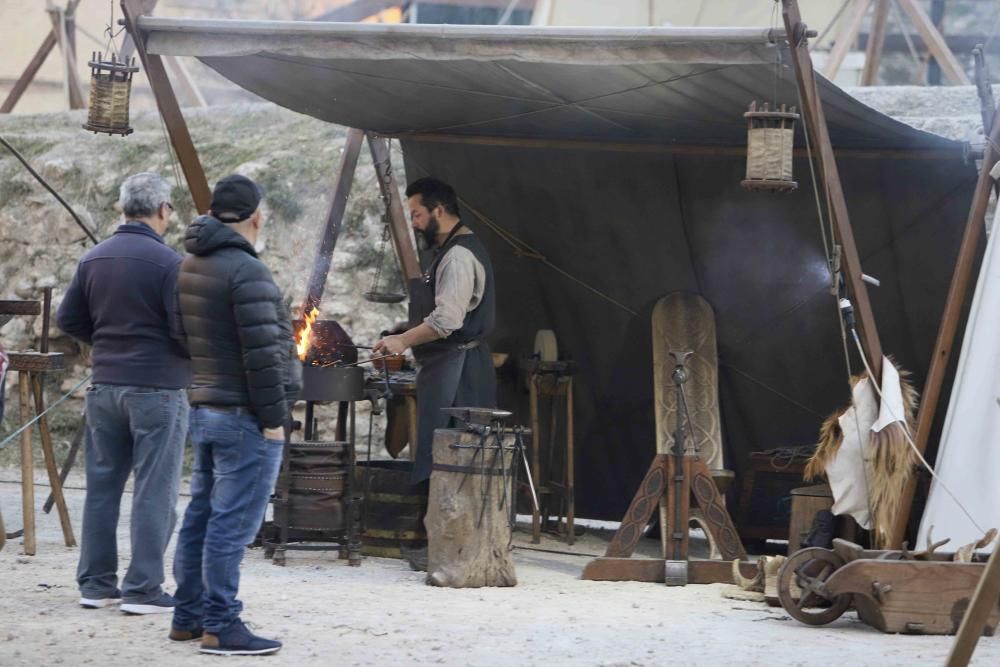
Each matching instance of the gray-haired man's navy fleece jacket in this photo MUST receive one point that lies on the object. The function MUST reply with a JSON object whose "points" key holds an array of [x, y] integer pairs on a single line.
{"points": [[121, 301]]}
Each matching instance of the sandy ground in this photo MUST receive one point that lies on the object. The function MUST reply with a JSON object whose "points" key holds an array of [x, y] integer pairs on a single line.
{"points": [[382, 614]]}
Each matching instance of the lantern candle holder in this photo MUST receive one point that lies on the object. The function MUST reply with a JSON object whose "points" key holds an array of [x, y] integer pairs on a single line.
{"points": [[110, 90], [770, 139]]}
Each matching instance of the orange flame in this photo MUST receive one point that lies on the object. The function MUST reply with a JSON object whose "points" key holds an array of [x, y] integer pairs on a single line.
{"points": [[303, 339]]}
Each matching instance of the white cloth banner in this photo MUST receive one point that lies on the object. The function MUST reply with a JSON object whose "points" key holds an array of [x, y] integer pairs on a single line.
{"points": [[968, 459]]}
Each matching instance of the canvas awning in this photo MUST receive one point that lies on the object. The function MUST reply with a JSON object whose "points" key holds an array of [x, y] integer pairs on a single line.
{"points": [[643, 85], [616, 154]]}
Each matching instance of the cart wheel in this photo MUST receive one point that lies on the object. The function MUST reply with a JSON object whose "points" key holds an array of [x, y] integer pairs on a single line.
{"points": [[809, 569]]}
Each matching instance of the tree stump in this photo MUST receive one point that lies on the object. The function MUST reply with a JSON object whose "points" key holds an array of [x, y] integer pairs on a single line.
{"points": [[468, 534]]}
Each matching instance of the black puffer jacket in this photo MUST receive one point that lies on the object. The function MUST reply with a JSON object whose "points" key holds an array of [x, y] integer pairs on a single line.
{"points": [[236, 325]]}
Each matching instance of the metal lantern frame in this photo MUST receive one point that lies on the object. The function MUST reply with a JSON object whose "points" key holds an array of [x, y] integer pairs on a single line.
{"points": [[770, 143], [110, 91]]}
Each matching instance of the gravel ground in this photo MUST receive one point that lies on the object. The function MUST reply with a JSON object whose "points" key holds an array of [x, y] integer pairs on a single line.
{"points": [[382, 614]]}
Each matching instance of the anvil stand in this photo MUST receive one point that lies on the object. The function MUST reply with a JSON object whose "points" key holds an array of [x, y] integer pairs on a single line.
{"points": [[672, 480]]}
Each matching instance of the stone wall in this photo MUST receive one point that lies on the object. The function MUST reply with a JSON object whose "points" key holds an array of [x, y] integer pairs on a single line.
{"points": [[294, 157]]}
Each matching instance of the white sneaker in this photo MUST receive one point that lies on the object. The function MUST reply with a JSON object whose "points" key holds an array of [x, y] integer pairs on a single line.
{"points": [[100, 603], [161, 605]]}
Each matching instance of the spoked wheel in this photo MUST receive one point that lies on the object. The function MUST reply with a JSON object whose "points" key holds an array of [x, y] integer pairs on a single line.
{"points": [[809, 569]]}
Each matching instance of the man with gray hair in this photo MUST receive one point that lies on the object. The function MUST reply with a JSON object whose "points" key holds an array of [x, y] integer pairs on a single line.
{"points": [[122, 302]]}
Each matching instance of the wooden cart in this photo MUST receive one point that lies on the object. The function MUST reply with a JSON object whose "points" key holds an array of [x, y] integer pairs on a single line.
{"points": [[894, 591]]}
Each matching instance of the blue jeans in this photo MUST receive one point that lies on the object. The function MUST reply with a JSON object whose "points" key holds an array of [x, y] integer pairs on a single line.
{"points": [[235, 468], [130, 429]]}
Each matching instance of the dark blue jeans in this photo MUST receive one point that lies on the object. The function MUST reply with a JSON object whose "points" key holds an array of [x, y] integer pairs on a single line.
{"points": [[235, 468], [140, 429]]}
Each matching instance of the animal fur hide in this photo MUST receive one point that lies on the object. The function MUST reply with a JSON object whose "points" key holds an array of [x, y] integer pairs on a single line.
{"points": [[889, 459]]}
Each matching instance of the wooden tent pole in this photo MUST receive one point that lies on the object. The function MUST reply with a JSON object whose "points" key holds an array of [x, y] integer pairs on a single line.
{"points": [[846, 37], [334, 220], [936, 43], [953, 305], [397, 218], [815, 123], [876, 42], [976, 616], [170, 110], [74, 91], [28, 75]]}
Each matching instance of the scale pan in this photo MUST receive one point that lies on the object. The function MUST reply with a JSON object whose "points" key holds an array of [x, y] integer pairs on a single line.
{"points": [[384, 297]]}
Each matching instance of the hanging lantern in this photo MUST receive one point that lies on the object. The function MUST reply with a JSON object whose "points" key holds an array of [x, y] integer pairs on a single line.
{"points": [[770, 138], [110, 89]]}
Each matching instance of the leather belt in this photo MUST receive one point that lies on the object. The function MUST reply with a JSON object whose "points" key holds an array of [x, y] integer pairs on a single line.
{"points": [[228, 409]]}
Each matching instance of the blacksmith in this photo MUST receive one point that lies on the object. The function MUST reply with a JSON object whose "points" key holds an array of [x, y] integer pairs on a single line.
{"points": [[451, 314], [121, 302], [245, 378]]}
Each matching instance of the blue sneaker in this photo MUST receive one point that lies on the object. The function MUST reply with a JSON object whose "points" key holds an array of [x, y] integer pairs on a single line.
{"points": [[100, 602], [161, 605], [235, 639]]}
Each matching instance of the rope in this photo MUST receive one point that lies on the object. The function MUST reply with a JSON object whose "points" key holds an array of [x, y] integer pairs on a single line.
{"points": [[523, 249], [833, 21], [909, 439], [29, 424], [48, 187]]}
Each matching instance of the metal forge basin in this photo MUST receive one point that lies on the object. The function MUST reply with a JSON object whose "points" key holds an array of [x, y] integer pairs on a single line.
{"points": [[325, 384], [324, 377]]}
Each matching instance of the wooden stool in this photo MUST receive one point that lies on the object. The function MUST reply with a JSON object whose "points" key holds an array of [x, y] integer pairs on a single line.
{"points": [[554, 379], [31, 368]]}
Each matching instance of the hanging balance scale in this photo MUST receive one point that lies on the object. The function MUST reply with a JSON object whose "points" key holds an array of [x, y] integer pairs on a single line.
{"points": [[380, 293]]}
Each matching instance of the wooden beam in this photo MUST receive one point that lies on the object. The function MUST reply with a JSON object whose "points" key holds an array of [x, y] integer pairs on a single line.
{"points": [[405, 251], [936, 44], [987, 105], [143, 7], [815, 123], [27, 464], [170, 111], [954, 304], [334, 221], [651, 570], [74, 90], [28, 75], [974, 622], [846, 36], [676, 149], [873, 52]]}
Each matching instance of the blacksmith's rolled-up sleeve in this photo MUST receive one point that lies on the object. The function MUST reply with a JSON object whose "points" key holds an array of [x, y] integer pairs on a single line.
{"points": [[460, 279]]}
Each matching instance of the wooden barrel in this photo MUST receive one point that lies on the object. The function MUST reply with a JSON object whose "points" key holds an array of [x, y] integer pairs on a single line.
{"points": [[394, 508]]}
